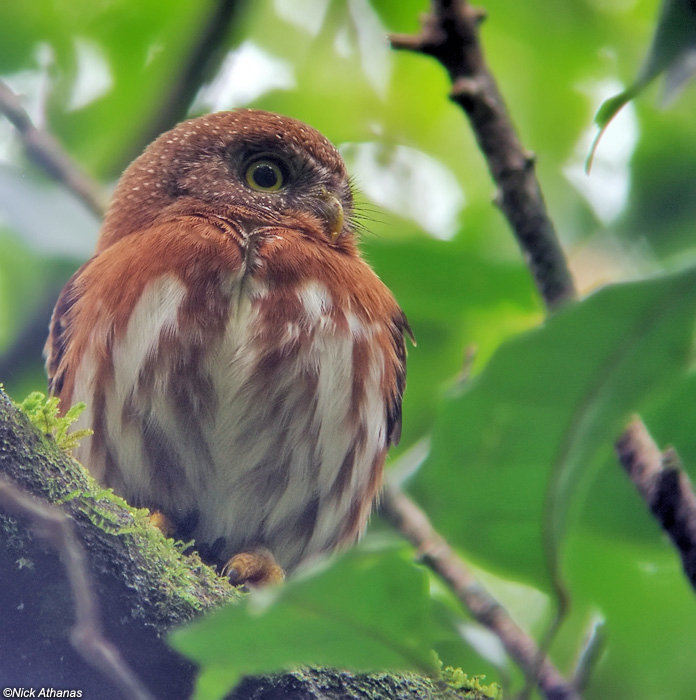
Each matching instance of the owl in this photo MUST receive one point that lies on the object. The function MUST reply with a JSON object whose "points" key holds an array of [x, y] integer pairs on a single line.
{"points": [[243, 367]]}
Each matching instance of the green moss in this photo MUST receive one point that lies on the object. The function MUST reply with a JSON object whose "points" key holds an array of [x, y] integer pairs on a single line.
{"points": [[457, 679], [43, 412]]}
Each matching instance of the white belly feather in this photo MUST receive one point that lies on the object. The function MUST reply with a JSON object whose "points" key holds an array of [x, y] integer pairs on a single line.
{"points": [[271, 455]]}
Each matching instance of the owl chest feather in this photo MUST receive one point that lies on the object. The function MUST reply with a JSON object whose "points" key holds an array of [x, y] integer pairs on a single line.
{"points": [[251, 434]]}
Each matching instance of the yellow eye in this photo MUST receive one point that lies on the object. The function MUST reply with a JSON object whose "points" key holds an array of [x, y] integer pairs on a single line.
{"points": [[264, 175]]}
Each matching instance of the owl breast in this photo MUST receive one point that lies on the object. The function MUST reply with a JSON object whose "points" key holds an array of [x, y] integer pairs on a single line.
{"points": [[265, 429]]}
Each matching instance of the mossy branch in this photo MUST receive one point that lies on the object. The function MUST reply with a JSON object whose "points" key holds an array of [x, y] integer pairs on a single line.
{"points": [[144, 583], [43, 412]]}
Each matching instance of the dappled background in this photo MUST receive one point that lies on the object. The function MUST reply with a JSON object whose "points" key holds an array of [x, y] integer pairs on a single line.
{"points": [[105, 77]]}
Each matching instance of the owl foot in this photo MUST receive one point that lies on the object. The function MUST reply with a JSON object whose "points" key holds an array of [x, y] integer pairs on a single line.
{"points": [[162, 523], [253, 568]]}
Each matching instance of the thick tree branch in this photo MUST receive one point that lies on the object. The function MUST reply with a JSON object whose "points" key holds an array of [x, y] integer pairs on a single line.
{"points": [[450, 34], [144, 583], [49, 155], [414, 525], [87, 635], [665, 488]]}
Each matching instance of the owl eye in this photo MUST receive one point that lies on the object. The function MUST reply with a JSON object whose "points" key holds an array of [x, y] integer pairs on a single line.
{"points": [[265, 175]]}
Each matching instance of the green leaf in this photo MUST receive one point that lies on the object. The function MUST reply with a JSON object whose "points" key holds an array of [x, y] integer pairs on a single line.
{"points": [[516, 452], [606, 112], [675, 37], [368, 611]]}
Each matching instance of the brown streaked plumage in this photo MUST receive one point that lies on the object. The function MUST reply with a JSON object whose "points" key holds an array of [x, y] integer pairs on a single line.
{"points": [[243, 367]]}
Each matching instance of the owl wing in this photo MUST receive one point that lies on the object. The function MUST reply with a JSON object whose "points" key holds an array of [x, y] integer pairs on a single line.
{"points": [[399, 330], [59, 333]]}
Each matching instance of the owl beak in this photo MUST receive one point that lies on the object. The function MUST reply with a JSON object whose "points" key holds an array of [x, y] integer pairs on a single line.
{"points": [[333, 210]]}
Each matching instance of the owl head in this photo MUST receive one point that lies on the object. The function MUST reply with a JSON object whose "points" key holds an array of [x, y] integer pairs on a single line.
{"points": [[255, 167]]}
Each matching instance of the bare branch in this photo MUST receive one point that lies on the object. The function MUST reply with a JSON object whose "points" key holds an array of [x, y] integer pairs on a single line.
{"points": [[49, 155], [664, 486], [450, 34], [436, 553], [87, 637]]}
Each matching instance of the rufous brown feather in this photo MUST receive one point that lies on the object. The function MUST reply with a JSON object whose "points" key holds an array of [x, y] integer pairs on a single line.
{"points": [[242, 365]]}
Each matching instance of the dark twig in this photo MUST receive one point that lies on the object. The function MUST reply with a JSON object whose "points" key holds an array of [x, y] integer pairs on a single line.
{"points": [[49, 155], [664, 486], [414, 525], [450, 34], [87, 637]]}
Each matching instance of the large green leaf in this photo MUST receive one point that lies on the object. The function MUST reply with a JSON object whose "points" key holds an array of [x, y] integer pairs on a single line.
{"points": [[368, 611], [513, 454]]}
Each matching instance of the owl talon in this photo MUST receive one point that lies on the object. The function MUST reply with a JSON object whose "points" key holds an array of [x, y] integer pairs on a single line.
{"points": [[253, 569], [159, 520]]}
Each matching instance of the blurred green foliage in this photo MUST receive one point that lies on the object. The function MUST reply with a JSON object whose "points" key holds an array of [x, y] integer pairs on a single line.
{"points": [[522, 453]]}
